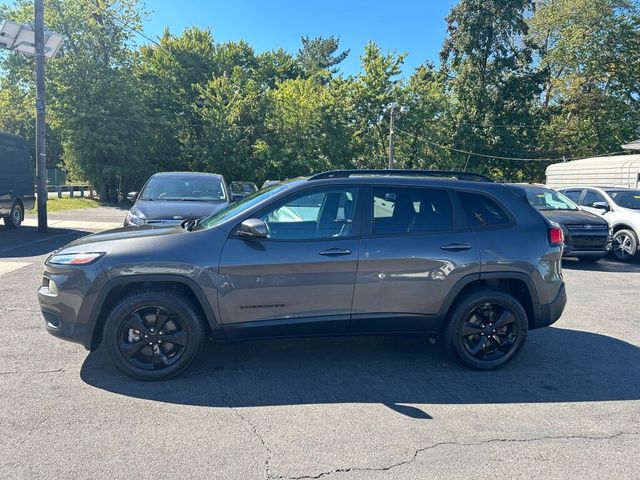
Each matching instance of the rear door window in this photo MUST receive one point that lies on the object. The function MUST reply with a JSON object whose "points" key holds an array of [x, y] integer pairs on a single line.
{"points": [[399, 210], [482, 211]]}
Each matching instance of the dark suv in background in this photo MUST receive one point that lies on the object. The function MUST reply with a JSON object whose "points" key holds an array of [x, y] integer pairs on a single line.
{"points": [[16, 180], [444, 254]]}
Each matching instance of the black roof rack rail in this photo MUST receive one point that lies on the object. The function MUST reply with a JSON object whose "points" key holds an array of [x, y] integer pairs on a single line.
{"points": [[476, 177]]}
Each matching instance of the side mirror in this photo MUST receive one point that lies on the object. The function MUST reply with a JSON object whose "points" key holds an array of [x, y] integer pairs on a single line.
{"points": [[132, 196], [236, 197], [253, 228], [601, 206]]}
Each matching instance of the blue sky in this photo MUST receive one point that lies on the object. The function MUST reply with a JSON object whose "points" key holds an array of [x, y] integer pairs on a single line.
{"points": [[412, 26]]}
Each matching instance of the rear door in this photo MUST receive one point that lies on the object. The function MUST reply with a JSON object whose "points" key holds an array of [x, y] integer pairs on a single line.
{"points": [[301, 278], [413, 251]]}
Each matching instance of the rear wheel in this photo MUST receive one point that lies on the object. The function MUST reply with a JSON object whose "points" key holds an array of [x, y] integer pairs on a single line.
{"points": [[486, 329], [15, 217], [625, 245], [153, 334]]}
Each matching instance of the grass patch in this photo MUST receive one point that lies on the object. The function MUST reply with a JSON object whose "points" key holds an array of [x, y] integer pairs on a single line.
{"points": [[61, 204]]}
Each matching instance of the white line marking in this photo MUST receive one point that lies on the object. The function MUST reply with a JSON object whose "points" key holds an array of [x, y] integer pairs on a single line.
{"points": [[6, 267]]}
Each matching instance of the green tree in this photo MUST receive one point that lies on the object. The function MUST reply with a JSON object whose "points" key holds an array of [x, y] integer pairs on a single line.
{"points": [[319, 57], [591, 59], [492, 82]]}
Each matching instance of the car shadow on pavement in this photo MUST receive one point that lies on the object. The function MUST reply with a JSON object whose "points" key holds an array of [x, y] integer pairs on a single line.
{"points": [[28, 242], [557, 365], [606, 264]]}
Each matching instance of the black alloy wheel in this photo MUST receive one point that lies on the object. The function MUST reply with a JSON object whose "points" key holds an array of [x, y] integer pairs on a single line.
{"points": [[487, 329], [153, 334], [152, 337], [489, 332]]}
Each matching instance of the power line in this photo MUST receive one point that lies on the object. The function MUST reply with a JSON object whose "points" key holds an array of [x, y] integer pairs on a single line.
{"points": [[499, 157]]}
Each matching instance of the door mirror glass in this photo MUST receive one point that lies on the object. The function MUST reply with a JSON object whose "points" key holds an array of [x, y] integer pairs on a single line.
{"points": [[236, 197], [604, 206], [132, 196], [253, 228]]}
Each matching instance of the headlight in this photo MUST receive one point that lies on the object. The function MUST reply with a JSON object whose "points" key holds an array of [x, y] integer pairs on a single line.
{"points": [[75, 258], [136, 217]]}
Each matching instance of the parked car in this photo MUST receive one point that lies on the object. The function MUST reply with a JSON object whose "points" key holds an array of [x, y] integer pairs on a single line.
{"points": [[16, 180], [586, 236], [170, 198], [239, 190], [270, 183], [384, 252], [618, 206]]}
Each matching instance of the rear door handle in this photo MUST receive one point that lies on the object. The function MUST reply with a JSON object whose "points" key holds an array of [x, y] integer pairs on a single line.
{"points": [[455, 247], [335, 252]]}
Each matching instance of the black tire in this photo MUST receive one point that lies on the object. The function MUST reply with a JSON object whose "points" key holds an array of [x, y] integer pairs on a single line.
{"points": [[589, 259], [624, 245], [159, 354], [470, 310], [15, 217]]}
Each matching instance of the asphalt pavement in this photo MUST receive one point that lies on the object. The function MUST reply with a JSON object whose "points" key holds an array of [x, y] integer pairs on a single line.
{"points": [[331, 408]]}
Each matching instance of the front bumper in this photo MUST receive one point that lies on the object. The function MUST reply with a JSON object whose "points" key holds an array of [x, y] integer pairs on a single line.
{"points": [[66, 298], [547, 314]]}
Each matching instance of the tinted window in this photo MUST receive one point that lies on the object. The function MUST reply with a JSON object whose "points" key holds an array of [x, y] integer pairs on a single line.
{"points": [[591, 197], [482, 211], [316, 215], [573, 194], [408, 210]]}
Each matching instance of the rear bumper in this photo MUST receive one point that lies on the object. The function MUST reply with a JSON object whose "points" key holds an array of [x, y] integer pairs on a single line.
{"points": [[547, 314]]}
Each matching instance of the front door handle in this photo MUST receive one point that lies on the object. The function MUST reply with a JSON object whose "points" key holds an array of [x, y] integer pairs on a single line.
{"points": [[455, 247], [335, 252]]}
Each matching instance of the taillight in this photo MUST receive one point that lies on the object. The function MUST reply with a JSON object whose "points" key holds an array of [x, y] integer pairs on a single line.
{"points": [[556, 236]]}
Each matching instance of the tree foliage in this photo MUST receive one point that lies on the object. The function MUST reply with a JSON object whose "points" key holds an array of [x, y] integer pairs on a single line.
{"points": [[517, 79]]}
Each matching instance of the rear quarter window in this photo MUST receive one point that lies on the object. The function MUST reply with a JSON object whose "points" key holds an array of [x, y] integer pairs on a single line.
{"points": [[482, 211]]}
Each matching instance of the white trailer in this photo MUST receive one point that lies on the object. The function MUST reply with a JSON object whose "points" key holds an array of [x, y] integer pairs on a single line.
{"points": [[615, 171]]}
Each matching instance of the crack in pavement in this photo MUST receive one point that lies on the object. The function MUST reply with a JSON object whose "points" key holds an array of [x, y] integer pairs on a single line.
{"points": [[17, 372], [254, 430], [417, 452]]}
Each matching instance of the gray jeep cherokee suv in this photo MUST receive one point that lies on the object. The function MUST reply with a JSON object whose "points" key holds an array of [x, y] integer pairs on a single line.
{"points": [[442, 254]]}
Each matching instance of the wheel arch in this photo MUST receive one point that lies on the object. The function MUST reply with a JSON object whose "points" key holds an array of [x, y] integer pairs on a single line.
{"points": [[116, 288], [514, 283]]}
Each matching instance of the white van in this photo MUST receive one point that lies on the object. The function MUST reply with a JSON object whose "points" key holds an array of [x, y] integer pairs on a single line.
{"points": [[615, 171]]}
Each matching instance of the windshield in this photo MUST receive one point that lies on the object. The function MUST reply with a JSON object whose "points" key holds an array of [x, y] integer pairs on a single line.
{"points": [[626, 198], [544, 199], [187, 188], [238, 207]]}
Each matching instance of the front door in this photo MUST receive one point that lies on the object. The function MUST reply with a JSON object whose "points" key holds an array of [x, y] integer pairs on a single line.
{"points": [[301, 278], [411, 256]]}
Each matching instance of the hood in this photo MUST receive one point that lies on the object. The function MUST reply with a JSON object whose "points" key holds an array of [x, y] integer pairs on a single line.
{"points": [[185, 210], [572, 217], [98, 240]]}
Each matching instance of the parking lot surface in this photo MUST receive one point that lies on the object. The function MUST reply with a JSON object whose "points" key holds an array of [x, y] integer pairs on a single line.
{"points": [[335, 408]]}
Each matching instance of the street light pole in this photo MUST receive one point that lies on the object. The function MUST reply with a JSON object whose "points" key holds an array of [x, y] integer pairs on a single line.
{"points": [[41, 158]]}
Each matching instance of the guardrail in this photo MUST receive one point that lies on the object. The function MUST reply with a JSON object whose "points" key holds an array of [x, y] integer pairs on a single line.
{"points": [[72, 190]]}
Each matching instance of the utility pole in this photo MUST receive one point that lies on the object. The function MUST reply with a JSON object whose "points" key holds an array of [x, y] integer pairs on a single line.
{"points": [[392, 107], [41, 158], [392, 118]]}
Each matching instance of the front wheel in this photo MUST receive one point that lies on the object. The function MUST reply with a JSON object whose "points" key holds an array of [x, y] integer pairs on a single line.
{"points": [[625, 245], [153, 334], [486, 329]]}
